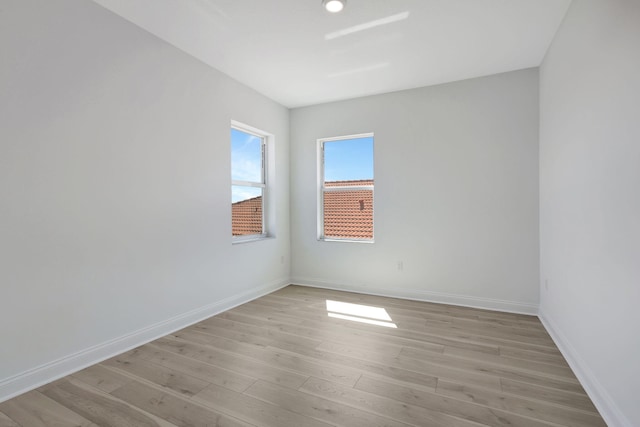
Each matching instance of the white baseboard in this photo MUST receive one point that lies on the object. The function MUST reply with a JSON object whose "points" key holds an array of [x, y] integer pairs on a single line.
{"points": [[36, 377], [418, 295], [607, 407]]}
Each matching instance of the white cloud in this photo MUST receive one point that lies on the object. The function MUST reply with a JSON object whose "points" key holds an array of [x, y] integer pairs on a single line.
{"points": [[243, 193]]}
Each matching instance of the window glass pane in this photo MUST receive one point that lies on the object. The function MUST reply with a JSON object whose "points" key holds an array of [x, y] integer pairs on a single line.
{"points": [[246, 156], [348, 214], [347, 208], [240, 193], [246, 210], [348, 159]]}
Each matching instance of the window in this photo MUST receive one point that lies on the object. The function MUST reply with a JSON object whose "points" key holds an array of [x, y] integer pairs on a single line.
{"points": [[248, 182], [345, 205]]}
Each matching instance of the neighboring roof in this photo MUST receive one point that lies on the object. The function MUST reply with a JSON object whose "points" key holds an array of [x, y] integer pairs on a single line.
{"points": [[351, 183], [246, 217], [348, 214]]}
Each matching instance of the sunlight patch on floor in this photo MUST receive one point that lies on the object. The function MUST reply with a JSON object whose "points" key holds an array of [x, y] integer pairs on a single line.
{"points": [[360, 313]]}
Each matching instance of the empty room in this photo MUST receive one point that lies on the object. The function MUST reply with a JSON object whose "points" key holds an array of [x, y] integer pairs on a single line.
{"points": [[319, 213]]}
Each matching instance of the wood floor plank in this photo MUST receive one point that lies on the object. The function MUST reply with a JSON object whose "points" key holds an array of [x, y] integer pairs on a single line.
{"points": [[497, 365], [295, 292], [495, 371], [233, 362], [160, 375], [441, 404], [372, 367], [307, 366], [178, 410], [517, 405], [390, 372], [34, 409], [261, 331], [139, 353], [5, 421], [402, 311], [535, 356], [530, 322], [292, 362], [253, 410], [415, 319], [424, 340], [194, 368], [508, 332], [423, 334], [403, 412], [240, 337], [220, 342], [289, 327], [281, 360], [101, 378], [327, 331], [192, 335], [401, 316], [558, 370], [274, 304], [549, 394], [244, 343], [282, 323], [317, 408], [412, 367], [479, 335], [495, 337], [101, 408], [361, 351]]}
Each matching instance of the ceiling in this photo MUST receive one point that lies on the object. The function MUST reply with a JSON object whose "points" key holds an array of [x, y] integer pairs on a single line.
{"points": [[297, 54]]}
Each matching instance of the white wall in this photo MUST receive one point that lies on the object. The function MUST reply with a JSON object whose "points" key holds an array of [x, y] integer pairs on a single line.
{"points": [[115, 192], [456, 198], [590, 200]]}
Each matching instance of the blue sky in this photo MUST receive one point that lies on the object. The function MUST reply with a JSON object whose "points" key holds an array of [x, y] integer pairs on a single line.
{"points": [[348, 159], [246, 164]]}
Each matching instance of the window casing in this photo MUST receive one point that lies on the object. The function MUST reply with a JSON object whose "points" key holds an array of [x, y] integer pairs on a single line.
{"points": [[346, 189], [248, 183]]}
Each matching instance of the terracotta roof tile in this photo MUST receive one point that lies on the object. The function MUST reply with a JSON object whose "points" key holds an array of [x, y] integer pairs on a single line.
{"points": [[348, 214], [246, 217], [352, 183]]}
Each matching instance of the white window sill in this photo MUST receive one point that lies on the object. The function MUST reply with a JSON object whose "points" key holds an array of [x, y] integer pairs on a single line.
{"points": [[345, 240], [250, 239]]}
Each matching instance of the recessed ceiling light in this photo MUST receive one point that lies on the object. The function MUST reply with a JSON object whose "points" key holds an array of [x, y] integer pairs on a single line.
{"points": [[334, 6]]}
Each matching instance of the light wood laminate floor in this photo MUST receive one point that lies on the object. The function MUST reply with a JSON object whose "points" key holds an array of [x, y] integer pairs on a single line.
{"points": [[312, 357]]}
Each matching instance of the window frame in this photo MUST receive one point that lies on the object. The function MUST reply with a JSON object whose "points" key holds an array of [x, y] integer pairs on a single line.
{"points": [[321, 189], [263, 184]]}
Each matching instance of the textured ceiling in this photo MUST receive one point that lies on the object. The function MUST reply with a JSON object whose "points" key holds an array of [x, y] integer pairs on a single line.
{"points": [[297, 54]]}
